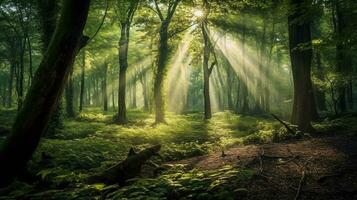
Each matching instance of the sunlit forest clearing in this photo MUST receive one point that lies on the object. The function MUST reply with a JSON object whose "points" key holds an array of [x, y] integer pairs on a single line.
{"points": [[178, 99]]}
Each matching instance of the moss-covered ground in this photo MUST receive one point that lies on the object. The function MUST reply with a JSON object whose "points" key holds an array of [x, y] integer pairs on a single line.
{"points": [[93, 142]]}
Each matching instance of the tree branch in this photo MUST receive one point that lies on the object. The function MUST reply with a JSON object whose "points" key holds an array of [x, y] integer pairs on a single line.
{"points": [[158, 11], [101, 24], [181, 30]]}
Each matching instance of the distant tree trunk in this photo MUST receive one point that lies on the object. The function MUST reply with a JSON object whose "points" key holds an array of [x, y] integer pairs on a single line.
{"points": [[29, 46], [319, 94], [113, 88], [304, 109], [238, 97], [134, 93], [69, 97], [259, 96], [142, 79], [229, 86], [45, 92], [244, 82], [104, 85], [21, 73], [11, 86], [343, 57], [163, 54], [81, 93]]}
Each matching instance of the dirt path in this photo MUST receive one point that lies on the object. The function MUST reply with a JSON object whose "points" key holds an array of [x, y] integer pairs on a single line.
{"points": [[329, 166]]}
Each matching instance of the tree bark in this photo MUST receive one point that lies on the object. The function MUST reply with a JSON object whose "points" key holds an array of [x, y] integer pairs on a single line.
{"points": [[104, 85], [160, 74], [81, 93], [45, 91], [70, 96], [163, 54], [134, 91], [48, 12], [123, 63], [244, 82], [304, 108], [10, 85], [343, 57], [142, 79], [206, 68]]}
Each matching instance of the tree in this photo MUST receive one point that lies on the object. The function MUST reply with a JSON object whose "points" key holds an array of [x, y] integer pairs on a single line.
{"points": [[126, 11], [208, 49], [304, 110], [46, 90], [342, 12], [82, 87], [48, 13], [162, 58]]}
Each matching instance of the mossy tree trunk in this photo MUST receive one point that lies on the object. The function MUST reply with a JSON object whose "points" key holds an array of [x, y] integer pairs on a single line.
{"points": [[48, 11], [207, 69], [162, 59], [123, 63], [82, 87], [125, 25], [104, 87], [46, 90], [343, 53], [69, 94], [304, 109]]}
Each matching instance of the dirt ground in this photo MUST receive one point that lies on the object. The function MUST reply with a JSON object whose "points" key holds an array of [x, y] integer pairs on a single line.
{"points": [[318, 168]]}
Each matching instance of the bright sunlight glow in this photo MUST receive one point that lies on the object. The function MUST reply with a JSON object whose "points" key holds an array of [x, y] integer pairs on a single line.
{"points": [[198, 13]]}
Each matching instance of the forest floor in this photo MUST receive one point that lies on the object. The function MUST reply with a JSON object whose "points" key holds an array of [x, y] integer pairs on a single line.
{"points": [[323, 168], [260, 159]]}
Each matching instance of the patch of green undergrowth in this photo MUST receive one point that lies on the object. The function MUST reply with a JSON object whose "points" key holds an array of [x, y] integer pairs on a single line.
{"points": [[177, 183]]}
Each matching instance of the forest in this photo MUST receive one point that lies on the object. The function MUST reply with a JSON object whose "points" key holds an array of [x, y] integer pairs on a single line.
{"points": [[178, 99]]}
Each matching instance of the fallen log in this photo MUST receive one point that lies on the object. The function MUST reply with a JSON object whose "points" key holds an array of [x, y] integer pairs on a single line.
{"points": [[127, 169]]}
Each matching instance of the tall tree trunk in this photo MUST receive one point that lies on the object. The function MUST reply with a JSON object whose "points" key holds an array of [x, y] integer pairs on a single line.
{"points": [[259, 94], [134, 93], [304, 108], [29, 46], [48, 12], [343, 58], [104, 85], [83, 68], [70, 96], [123, 63], [45, 92], [206, 75], [206, 56], [142, 79], [244, 82], [229, 86], [160, 73], [319, 94], [11, 84], [21, 73]]}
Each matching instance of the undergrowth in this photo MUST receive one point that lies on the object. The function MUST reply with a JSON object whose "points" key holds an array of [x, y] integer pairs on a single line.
{"points": [[93, 142]]}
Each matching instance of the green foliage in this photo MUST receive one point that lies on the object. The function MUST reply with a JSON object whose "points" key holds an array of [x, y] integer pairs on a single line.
{"points": [[176, 183]]}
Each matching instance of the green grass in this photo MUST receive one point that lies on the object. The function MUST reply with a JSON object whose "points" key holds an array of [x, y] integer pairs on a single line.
{"points": [[93, 142]]}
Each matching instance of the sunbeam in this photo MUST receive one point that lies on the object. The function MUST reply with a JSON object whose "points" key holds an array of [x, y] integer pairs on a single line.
{"points": [[179, 74]]}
